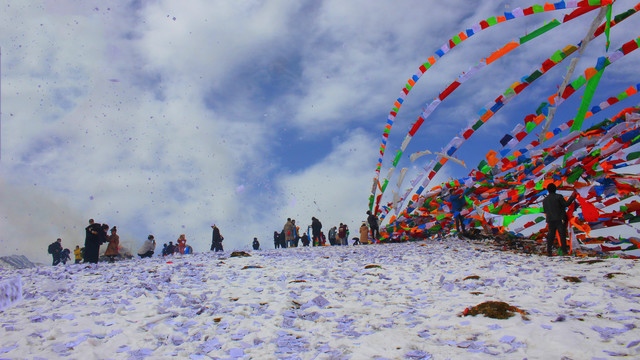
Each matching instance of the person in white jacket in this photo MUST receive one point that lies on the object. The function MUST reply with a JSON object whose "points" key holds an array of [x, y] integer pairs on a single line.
{"points": [[148, 247]]}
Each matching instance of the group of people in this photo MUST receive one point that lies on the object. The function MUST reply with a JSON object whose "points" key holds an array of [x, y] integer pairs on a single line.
{"points": [[554, 206], [180, 247], [336, 236], [96, 235], [59, 254]]}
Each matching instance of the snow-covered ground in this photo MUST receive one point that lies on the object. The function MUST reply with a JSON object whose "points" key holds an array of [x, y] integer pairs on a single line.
{"points": [[327, 303]]}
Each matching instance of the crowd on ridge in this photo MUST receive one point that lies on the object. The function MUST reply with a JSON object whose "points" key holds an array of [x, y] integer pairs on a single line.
{"points": [[291, 236], [554, 206], [97, 234]]}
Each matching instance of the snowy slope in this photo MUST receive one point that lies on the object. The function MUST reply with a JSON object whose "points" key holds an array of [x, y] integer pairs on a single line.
{"points": [[326, 303]]}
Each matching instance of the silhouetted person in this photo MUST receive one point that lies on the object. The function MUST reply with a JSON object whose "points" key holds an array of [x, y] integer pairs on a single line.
{"points": [[276, 240], [554, 206], [94, 234], [55, 249], [256, 244], [216, 239], [372, 219], [316, 231], [305, 239]]}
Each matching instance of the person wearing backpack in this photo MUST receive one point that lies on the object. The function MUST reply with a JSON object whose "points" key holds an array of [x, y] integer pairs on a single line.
{"points": [[55, 249]]}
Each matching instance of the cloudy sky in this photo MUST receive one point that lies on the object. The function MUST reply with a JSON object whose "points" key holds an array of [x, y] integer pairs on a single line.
{"points": [[164, 117]]}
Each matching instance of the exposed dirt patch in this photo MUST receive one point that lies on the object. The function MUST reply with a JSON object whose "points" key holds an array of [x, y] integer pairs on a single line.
{"points": [[495, 310], [472, 277], [590, 261], [239, 254], [572, 279], [373, 267], [611, 275]]}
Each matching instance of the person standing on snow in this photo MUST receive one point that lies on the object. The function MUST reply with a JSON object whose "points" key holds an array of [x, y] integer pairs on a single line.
{"points": [[289, 231], [182, 243], [92, 242], [373, 224], [296, 236], [114, 242], [78, 254], [554, 206], [55, 249], [316, 229], [256, 244], [216, 239], [457, 203], [364, 234], [276, 240], [333, 235], [343, 234]]}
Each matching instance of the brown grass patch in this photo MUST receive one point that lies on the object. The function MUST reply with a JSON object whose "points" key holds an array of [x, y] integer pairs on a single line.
{"points": [[590, 261], [239, 254], [495, 310], [611, 275]]}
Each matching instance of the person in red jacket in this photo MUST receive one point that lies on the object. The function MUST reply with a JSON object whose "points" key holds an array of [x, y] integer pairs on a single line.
{"points": [[554, 206]]}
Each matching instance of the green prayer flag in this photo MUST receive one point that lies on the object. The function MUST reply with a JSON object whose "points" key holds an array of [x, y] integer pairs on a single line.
{"points": [[607, 28], [539, 31], [508, 219], [592, 85]]}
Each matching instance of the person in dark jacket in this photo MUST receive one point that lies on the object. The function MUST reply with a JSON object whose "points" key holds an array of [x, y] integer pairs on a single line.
{"points": [[171, 249], [305, 239], [372, 219], [94, 235], [457, 204], [55, 249], [554, 206], [283, 240], [333, 236], [64, 256], [296, 235], [256, 244], [216, 239], [276, 240], [316, 230]]}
